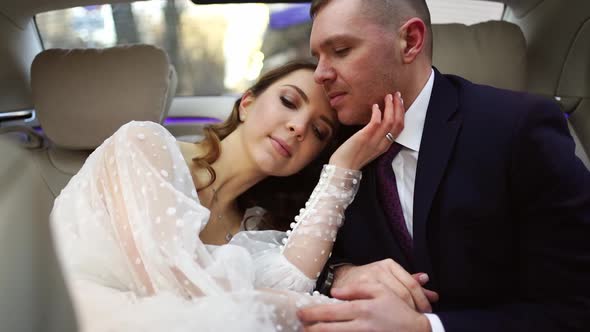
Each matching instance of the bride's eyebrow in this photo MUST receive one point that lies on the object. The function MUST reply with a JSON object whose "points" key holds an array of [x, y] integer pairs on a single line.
{"points": [[306, 99], [303, 95]]}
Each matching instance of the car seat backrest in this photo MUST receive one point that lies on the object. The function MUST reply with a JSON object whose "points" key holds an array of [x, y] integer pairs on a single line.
{"points": [[34, 295], [491, 53], [82, 96], [495, 53]]}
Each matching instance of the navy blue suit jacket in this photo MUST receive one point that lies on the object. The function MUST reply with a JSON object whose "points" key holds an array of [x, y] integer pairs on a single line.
{"points": [[501, 213]]}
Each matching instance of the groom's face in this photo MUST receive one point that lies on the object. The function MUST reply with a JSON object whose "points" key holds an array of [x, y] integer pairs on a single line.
{"points": [[357, 59]]}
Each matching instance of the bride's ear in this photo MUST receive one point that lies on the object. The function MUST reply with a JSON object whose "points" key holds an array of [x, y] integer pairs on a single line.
{"points": [[245, 103]]}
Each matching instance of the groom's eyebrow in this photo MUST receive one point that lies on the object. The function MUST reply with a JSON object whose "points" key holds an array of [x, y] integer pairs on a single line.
{"points": [[303, 95]]}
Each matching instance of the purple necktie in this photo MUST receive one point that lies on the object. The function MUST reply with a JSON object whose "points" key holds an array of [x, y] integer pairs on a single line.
{"points": [[389, 198]]}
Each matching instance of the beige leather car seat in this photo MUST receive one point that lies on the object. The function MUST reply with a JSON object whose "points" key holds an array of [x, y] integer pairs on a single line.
{"points": [[495, 53], [34, 296], [81, 97], [558, 51], [491, 53], [574, 91]]}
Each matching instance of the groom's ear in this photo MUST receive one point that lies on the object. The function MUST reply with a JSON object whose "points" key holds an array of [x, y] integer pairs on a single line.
{"points": [[245, 103], [412, 38]]}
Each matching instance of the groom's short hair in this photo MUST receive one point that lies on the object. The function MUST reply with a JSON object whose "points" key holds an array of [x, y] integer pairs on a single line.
{"points": [[386, 12]]}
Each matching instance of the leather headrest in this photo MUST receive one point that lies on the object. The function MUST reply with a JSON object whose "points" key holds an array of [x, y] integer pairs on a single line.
{"points": [[82, 96], [491, 53]]}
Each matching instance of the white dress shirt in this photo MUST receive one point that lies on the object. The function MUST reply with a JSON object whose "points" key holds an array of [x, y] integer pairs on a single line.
{"points": [[404, 164]]}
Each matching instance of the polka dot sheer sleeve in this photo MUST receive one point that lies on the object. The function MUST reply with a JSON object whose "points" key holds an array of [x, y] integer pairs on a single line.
{"points": [[293, 260], [309, 244]]}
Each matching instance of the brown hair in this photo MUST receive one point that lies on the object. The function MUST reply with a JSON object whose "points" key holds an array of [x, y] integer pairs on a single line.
{"points": [[281, 197], [389, 13]]}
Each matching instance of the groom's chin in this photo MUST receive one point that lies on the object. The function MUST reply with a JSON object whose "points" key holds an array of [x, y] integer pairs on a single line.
{"points": [[352, 117]]}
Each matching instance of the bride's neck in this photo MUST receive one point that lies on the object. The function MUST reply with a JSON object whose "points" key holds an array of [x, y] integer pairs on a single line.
{"points": [[234, 172]]}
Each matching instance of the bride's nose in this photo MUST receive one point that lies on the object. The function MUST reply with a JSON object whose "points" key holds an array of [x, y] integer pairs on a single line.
{"points": [[297, 128]]}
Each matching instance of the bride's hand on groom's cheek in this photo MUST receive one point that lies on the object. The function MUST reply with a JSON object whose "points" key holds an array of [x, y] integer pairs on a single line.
{"points": [[370, 142]]}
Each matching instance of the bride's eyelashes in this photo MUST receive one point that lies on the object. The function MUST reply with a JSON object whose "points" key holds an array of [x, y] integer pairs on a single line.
{"points": [[288, 102], [292, 104], [321, 135]]}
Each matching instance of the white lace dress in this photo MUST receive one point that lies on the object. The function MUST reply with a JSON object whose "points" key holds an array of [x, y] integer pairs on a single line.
{"points": [[127, 225]]}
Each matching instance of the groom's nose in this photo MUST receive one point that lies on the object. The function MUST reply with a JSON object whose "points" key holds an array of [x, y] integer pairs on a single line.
{"points": [[324, 73]]}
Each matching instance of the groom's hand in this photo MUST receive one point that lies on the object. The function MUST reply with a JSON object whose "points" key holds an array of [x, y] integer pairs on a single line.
{"points": [[368, 307], [390, 274]]}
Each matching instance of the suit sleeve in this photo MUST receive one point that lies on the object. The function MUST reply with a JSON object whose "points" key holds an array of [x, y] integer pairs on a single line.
{"points": [[550, 199]]}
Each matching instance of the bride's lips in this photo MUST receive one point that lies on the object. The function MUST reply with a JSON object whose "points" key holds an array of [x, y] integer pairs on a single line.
{"points": [[281, 147], [335, 98]]}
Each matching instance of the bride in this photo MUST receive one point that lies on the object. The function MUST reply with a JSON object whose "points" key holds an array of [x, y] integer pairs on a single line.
{"points": [[151, 235]]}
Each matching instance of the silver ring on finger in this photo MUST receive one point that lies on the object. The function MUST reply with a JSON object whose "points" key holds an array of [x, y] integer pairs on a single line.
{"points": [[389, 137]]}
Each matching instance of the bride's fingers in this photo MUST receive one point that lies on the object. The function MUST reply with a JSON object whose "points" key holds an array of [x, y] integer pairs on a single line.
{"points": [[388, 121], [388, 113], [378, 132], [398, 115], [374, 133], [374, 124], [383, 122], [376, 115]]}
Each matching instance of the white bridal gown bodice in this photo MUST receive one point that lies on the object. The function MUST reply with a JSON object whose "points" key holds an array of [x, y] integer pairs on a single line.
{"points": [[127, 225]]}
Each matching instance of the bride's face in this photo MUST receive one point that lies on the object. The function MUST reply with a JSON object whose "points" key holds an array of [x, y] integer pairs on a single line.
{"points": [[287, 125]]}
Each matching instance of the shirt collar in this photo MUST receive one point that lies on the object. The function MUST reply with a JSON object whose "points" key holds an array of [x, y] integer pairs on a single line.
{"points": [[411, 135]]}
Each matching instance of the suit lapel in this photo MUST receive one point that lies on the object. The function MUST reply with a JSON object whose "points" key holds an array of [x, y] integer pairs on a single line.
{"points": [[441, 127]]}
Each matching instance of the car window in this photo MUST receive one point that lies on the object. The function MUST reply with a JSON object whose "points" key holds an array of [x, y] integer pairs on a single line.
{"points": [[216, 49]]}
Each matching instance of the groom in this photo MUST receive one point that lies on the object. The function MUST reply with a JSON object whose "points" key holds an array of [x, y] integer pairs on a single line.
{"points": [[482, 191]]}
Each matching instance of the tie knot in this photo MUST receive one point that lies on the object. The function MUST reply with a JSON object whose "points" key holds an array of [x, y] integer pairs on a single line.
{"points": [[386, 159]]}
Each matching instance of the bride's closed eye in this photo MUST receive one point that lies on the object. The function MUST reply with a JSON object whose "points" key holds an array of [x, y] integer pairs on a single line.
{"points": [[319, 133], [288, 102]]}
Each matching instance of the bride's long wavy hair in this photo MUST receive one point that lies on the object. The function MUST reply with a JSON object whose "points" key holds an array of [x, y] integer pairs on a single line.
{"points": [[281, 197]]}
